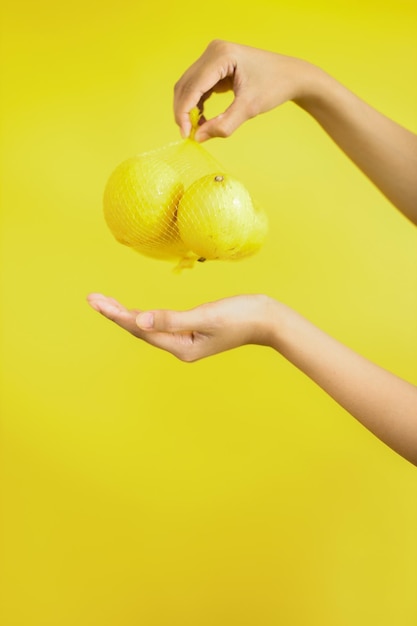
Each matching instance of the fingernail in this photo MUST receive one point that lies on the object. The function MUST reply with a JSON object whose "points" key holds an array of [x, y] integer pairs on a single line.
{"points": [[185, 131], [145, 320]]}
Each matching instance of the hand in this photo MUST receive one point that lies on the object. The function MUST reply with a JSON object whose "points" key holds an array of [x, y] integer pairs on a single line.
{"points": [[194, 334], [384, 151], [381, 401], [260, 81]]}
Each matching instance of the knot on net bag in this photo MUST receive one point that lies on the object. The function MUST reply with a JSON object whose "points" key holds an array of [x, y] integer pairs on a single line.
{"points": [[178, 203]]}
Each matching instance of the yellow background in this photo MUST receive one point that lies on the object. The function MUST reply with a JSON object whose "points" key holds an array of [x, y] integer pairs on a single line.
{"points": [[138, 490]]}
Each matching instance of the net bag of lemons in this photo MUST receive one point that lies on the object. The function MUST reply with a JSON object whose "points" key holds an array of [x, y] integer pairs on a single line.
{"points": [[178, 203]]}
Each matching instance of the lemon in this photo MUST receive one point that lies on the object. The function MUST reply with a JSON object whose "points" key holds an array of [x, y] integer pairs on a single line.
{"points": [[217, 219], [140, 203]]}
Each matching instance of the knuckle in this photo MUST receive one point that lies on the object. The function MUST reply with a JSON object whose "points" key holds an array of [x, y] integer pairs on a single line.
{"points": [[218, 45], [163, 322], [215, 43], [251, 109], [223, 129]]}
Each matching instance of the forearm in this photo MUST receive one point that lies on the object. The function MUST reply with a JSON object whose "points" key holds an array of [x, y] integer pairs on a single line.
{"points": [[382, 402], [385, 151]]}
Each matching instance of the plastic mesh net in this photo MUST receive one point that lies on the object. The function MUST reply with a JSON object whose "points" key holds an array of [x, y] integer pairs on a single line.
{"points": [[178, 203]]}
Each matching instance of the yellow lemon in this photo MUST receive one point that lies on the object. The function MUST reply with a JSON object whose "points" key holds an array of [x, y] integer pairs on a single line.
{"points": [[217, 219], [140, 203]]}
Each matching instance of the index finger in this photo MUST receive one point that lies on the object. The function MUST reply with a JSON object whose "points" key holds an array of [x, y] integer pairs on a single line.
{"points": [[198, 81]]}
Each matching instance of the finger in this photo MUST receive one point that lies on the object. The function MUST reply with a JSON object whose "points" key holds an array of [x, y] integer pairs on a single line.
{"points": [[115, 312], [96, 300], [222, 86], [192, 89], [193, 320], [183, 345], [226, 123], [102, 303]]}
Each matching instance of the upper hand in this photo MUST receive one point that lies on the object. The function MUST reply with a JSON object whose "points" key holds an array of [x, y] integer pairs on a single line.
{"points": [[260, 81]]}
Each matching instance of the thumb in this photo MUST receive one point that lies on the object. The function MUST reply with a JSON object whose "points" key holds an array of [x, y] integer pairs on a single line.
{"points": [[226, 123], [170, 321]]}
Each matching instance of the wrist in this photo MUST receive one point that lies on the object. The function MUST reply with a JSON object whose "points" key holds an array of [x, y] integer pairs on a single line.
{"points": [[281, 327], [313, 88], [268, 324]]}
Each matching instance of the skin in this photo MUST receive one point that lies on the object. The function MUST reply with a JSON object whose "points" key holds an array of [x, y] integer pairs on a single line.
{"points": [[387, 155], [261, 80]]}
